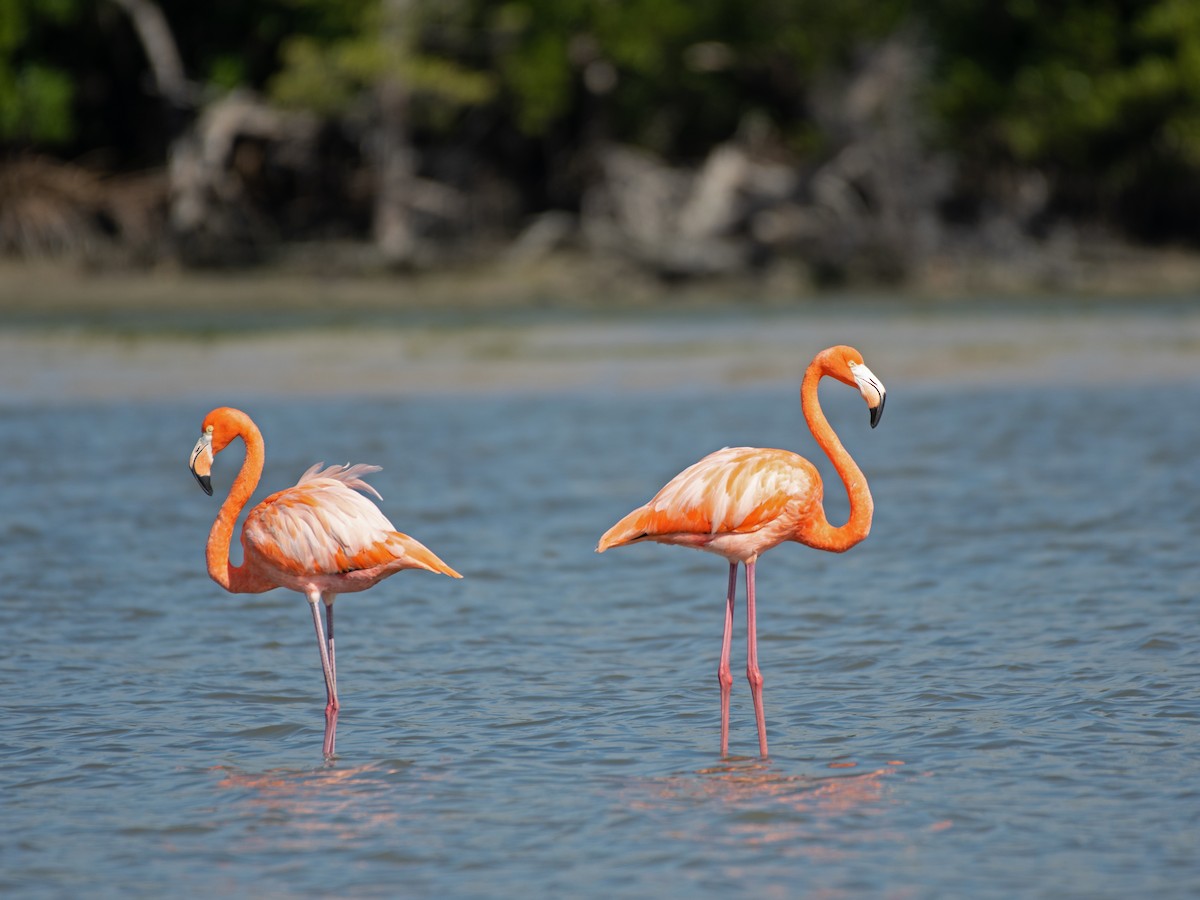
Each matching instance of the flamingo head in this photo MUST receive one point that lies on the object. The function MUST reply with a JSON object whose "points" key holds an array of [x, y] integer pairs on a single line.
{"points": [[847, 366], [220, 427], [202, 458]]}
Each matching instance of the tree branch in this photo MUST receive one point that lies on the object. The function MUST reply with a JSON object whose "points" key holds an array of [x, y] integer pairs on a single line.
{"points": [[161, 50]]}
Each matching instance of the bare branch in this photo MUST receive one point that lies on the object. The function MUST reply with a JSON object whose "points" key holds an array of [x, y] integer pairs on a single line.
{"points": [[161, 50]]}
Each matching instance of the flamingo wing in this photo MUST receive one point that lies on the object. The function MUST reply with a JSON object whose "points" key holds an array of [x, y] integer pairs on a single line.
{"points": [[323, 526], [737, 490]]}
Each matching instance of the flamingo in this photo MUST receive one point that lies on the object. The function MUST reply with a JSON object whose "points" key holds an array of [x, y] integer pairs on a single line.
{"points": [[319, 537], [740, 502]]}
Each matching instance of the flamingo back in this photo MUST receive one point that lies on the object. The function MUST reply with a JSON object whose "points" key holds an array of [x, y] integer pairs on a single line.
{"points": [[323, 526], [737, 490]]}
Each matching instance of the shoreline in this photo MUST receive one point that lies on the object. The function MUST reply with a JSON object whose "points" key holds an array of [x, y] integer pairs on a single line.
{"points": [[309, 281], [697, 349], [67, 335]]}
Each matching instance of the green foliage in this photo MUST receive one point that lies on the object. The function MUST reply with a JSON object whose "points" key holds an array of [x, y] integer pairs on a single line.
{"points": [[325, 75], [1102, 93], [36, 96], [1077, 85], [35, 104], [675, 75]]}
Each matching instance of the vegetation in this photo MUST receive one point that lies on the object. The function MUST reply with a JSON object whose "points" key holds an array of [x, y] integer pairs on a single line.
{"points": [[1100, 98]]}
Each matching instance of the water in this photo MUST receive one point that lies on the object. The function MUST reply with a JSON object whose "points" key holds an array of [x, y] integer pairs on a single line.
{"points": [[994, 695]]}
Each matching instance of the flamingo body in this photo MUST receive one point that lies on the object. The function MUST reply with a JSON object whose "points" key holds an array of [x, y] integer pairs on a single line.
{"points": [[737, 503], [740, 502], [320, 537], [322, 534]]}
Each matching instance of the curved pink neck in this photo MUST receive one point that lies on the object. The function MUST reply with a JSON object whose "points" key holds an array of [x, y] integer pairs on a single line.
{"points": [[818, 532], [237, 579]]}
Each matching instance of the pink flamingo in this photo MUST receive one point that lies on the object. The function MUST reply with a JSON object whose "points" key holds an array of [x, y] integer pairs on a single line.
{"points": [[320, 537], [742, 501]]}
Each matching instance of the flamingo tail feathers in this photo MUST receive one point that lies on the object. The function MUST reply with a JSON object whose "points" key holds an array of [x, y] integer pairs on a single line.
{"points": [[421, 557], [633, 527]]}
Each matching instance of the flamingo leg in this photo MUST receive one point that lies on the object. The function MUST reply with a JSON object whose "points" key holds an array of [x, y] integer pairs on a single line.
{"points": [[724, 675], [331, 700], [329, 598], [752, 671], [331, 717]]}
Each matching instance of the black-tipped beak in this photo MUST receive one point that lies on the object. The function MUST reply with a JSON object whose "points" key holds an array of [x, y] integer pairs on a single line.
{"points": [[871, 389], [205, 481], [200, 462]]}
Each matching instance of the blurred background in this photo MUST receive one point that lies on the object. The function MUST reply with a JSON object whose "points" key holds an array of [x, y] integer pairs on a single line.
{"points": [[800, 145]]}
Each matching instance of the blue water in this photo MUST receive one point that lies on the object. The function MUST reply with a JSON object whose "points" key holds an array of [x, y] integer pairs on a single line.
{"points": [[997, 694]]}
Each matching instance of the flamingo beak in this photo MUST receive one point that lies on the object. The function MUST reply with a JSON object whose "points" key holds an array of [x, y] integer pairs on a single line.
{"points": [[872, 390], [877, 411], [205, 483], [200, 462]]}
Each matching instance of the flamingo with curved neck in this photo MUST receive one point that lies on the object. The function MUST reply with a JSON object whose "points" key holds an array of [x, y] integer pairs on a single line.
{"points": [[320, 537], [742, 501]]}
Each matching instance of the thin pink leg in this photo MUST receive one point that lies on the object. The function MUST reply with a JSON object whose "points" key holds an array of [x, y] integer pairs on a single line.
{"points": [[331, 700], [752, 672], [329, 598], [724, 675], [331, 716], [329, 664]]}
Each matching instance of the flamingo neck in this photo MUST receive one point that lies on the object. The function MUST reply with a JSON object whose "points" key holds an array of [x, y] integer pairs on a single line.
{"points": [[818, 532], [237, 579]]}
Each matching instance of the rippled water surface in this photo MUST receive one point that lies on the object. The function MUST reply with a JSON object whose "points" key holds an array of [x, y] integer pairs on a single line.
{"points": [[997, 694]]}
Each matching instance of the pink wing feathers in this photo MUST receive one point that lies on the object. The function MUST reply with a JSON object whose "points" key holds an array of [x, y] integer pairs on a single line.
{"points": [[323, 526], [737, 490]]}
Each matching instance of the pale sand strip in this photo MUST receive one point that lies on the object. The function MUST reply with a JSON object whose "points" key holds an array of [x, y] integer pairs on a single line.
{"points": [[40, 364]]}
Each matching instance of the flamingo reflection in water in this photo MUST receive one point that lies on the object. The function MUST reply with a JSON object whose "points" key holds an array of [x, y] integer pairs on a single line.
{"points": [[326, 802], [752, 802]]}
